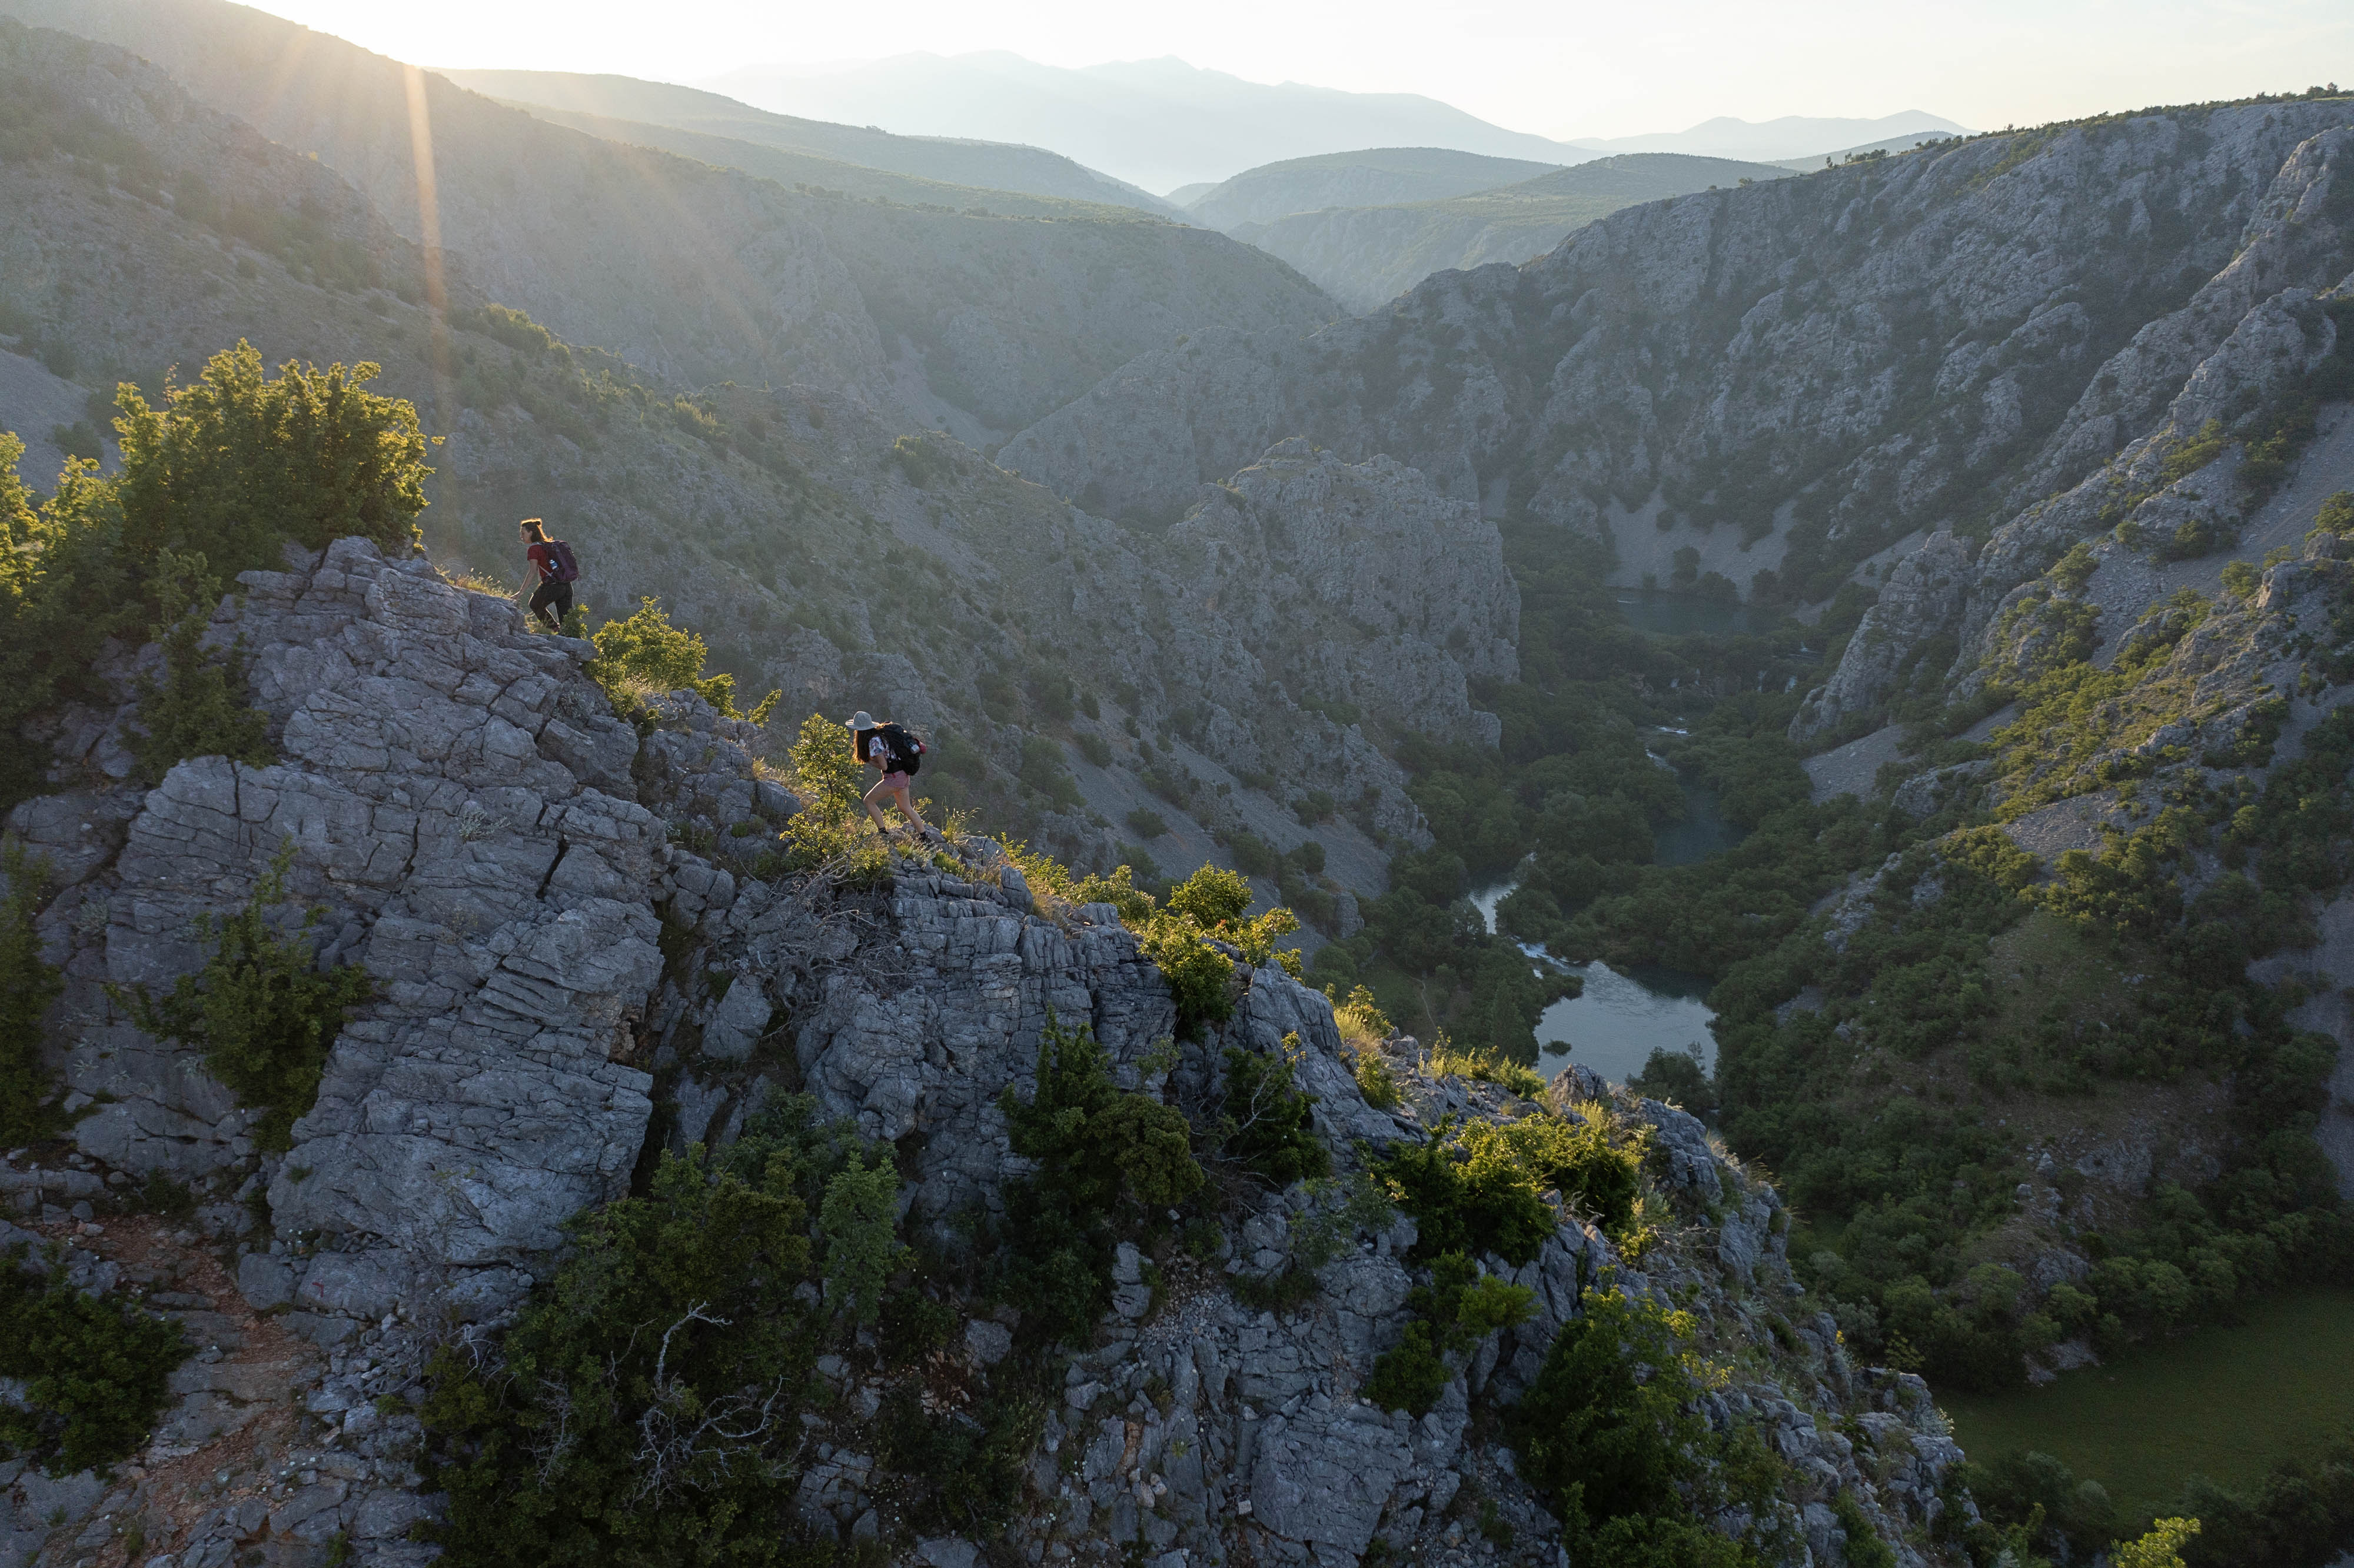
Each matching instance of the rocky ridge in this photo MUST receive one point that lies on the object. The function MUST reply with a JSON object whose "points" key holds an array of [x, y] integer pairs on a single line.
{"points": [[509, 862], [2246, 340], [1881, 347]]}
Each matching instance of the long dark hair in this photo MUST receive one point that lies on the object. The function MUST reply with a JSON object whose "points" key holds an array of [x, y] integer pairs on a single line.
{"points": [[538, 530]]}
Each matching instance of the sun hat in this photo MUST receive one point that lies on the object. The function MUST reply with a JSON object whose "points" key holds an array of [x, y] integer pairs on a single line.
{"points": [[861, 719]]}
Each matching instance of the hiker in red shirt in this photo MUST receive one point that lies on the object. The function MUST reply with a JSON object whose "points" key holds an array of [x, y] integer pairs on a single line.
{"points": [[553, 560]]}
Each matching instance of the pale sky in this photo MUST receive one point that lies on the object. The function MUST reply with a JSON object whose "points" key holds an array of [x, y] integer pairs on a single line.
{"points": [[1556, 67]]}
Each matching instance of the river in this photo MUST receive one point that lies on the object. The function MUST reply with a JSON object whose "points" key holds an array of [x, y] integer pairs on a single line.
{"points": [[1622, 1016]]}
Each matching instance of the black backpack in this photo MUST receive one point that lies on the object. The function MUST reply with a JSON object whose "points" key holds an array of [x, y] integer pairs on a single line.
{"points": [[907, 748]]}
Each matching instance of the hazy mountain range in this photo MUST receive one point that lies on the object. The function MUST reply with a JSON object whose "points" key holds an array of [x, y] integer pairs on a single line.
{"points": [[1164, 124], [950, 160]]}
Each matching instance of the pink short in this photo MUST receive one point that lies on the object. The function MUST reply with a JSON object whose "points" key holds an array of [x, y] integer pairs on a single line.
{"points": [[895, 781]]}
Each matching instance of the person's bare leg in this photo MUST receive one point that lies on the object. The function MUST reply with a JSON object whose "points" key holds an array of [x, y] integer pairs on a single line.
{"points": [[905, 795], [881, 826]]}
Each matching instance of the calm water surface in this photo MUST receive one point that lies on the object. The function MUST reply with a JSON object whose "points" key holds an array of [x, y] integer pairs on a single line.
{"points": [[1620, 1018]]}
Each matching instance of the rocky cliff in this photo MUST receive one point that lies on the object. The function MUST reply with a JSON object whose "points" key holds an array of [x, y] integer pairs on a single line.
{"points": [[2230, 365], [1827, 364], [508, 862]]}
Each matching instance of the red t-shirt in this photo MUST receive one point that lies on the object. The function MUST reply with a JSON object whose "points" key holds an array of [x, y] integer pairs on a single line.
{"points": [[543, 557]]}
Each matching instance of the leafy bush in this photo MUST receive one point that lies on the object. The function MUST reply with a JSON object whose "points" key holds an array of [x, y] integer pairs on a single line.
{"points": [[646, 1407], [261, 1010], [1478, 1187], [230, 469], [27, 986], [1410, 1375], [198, 709], [832, 830], [1254, 854], [96, 1370], [1265, 1121], [1205, 908], [858, 1220], [1104, 1155], [1147, 825], [2039, 1496], [647, 656], [1044, 769], [1455, 1311], [1676, 1078], [1606, 1437], [1094, 749]]}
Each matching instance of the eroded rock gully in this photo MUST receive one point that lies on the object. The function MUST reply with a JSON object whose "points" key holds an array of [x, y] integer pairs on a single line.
{"points": [[509, 862]]}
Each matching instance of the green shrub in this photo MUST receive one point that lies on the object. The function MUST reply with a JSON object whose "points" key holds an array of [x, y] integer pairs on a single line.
{"points": [[260, 1009], [1044, 769], [1409, 1376], [646, 1407], [858, 1220], [1455, 1311], [1265, 1120], [96, 1370], [231, 468], [1606, 1437], [647, 656], [1255, 856], [1478, 1187], [200, 708], [1207, 906], [1103, 1156], [27, 986], [1094, 749], [832, 830], [1146, 825], [2188, 457]]}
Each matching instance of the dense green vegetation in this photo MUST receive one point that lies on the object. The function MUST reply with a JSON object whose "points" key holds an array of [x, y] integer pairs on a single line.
{"points": [[1571, 800], [96, 1370], [27, 986], [647, 656], [2116, 1422], [230, 469], [644, 1408], [1608, 1436]]}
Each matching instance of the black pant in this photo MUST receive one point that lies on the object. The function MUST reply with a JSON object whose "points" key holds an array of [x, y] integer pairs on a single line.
{"points": [[552, 592]]}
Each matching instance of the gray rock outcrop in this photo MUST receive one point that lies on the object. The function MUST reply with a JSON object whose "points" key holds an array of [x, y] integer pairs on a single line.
{"points": [[506, 859]]}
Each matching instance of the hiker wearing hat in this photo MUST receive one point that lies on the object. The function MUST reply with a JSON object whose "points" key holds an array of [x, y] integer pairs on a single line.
{"points": [[896, 753], [558, 568]]}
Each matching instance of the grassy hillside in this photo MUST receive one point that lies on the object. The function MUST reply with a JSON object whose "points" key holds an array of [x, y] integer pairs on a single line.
{"points": [[942, 160], [1376, 176], [804, 170], [703, 274], [1365, 255]]}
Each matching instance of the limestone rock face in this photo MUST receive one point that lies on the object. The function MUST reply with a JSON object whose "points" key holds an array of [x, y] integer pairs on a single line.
{"points": [[2241, 344], [1904, 345], [1924, 595], [505, 860], [496, 894]]}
